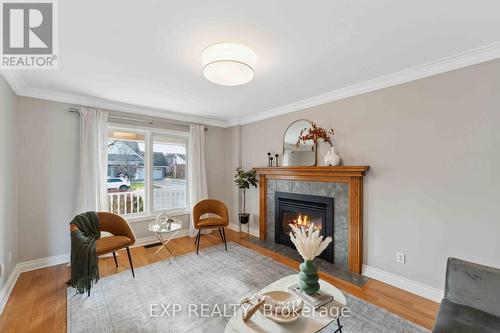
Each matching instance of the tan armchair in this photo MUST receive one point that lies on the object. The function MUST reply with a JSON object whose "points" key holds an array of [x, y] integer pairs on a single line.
{"points": [[123, 236], [210, 206]]}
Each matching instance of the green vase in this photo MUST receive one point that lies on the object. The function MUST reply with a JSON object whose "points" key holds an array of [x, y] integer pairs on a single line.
{"points": [[308, 277]]}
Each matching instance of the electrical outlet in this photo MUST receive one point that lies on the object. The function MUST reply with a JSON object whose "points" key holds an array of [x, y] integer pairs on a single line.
{"points": [[400, 258], [10, 257]]}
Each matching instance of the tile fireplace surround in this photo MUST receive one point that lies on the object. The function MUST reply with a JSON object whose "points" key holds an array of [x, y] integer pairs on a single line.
{"points": [[338, 191], [343, 183]]}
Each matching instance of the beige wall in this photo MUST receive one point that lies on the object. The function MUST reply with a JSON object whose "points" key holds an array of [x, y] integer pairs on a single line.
{"points": [[233, 160], [215, 162], [48, 155], [434, 184], [8, 180], [48, 174]]}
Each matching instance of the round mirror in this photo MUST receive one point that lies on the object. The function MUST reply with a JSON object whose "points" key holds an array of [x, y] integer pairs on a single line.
{"points": [[302, 155]]}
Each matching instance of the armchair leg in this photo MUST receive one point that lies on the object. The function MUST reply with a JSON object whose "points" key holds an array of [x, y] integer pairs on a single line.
{"points": [[220, 233], [224, 234], [114, 256], [130, 261], [196, 238], [198, 242]]}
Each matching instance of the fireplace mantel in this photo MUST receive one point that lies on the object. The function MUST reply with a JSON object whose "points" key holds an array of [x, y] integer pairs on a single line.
{"points": [[314, 171], [352, 175]]}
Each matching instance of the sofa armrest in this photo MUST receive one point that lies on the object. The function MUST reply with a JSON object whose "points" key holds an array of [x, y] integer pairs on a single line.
{"points": [[473, 285]]}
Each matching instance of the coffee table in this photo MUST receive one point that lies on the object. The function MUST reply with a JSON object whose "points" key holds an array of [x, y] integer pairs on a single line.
{"points": [[310, 324], [165, 232]]}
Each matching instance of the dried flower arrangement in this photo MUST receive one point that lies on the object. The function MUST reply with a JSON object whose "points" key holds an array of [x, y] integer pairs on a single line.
{"points": [[315, 133], [309, 243]]}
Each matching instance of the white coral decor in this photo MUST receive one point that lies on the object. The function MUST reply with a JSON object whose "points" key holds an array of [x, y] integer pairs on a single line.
{"points": [[309, 242]]}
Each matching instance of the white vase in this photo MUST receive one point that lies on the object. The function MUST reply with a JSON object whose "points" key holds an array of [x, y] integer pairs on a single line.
{"points": [[331, 157]]}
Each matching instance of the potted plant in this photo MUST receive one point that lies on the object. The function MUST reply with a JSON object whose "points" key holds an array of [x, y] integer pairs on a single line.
{"points": [[245, 179]]}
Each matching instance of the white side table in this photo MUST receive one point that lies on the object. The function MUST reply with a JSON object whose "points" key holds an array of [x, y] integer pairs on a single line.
{"points": [[165, 232], [313, 323]]}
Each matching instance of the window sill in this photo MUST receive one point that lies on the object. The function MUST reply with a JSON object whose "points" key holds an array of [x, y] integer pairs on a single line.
{"points": [[144, 218]]}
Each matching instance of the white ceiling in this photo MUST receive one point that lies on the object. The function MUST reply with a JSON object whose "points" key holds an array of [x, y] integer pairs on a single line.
{"points": [[145, 55]]}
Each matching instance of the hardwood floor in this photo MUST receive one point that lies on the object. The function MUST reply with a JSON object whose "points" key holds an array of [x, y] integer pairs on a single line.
{"points": [[38, 300]]}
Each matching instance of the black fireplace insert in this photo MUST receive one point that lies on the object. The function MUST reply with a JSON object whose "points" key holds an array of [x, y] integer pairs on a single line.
{"points": [[309, 211]]}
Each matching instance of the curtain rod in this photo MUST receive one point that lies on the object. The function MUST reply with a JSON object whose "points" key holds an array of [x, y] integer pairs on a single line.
{"points": [[151, 122]]}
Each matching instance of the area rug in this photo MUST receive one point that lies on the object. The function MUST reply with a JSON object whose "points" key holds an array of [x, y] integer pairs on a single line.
{"points": [[196, 293]]}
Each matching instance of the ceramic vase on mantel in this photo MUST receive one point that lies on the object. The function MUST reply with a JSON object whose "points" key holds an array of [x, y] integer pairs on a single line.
{"points": [[332, 158], [308, 277]]}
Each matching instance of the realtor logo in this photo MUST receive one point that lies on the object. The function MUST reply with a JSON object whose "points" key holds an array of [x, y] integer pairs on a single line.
{"points": [[28, 35]]}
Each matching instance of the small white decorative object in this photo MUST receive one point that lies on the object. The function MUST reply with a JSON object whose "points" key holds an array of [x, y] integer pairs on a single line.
{"points": [[277, 305], [162, 219], [331, 157]]}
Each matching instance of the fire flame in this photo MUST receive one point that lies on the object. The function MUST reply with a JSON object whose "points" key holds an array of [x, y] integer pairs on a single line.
{"points": [[305, 221]]}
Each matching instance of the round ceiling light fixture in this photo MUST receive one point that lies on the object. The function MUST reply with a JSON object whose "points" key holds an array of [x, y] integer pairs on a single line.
{"points": [[229, 64]]}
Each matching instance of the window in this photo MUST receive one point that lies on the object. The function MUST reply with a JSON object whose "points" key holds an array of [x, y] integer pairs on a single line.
{"points": [[146, 171], [169, 173]]}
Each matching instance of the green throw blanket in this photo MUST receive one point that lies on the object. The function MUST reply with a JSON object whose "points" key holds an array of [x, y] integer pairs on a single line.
{"points": [[84, 269]]}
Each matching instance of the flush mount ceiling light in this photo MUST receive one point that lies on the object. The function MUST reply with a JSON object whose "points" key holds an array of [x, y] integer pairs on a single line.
{"points": [[228, 64]]}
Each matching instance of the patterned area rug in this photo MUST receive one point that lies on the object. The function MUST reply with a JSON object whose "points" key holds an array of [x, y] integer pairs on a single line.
{"points": [[196, 293]]}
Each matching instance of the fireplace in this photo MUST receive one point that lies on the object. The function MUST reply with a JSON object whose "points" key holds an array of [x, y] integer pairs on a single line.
{"points": [[309, 211]]}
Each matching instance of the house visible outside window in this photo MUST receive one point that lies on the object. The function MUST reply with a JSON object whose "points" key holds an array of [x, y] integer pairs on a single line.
{"points": [[169, 173], [146, 172]]}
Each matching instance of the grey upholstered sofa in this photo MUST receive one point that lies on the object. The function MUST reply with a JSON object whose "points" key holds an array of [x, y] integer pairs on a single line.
{"points": [[471, 301]]}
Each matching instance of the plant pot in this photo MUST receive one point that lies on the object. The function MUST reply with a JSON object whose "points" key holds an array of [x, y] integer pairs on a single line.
{"points": [[308, 277], [244, 218]]}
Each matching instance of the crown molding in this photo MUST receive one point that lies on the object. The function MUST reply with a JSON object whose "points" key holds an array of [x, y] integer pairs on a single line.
{"points": [[464, 59], [461, 60], [14, 80], [21, 89]]}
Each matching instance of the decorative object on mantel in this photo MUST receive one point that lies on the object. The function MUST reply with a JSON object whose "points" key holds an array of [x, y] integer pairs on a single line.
{"points": [[309, 243], [245, 179], [270, 160], [314, 134], [302, 155], [331, 157]]}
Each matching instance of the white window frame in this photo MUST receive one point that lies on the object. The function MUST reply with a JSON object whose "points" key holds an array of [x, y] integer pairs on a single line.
{"points": [[149, 134]]}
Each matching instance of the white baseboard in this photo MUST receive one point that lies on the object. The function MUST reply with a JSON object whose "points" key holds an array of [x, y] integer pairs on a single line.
{"points": [[55, 260], [400, 282], [7, 288], [236, 227], [145, 241], [42, 263], [153, 239]]}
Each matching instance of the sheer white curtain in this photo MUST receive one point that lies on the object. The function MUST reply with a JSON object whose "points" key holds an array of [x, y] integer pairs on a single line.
{"points": [[197, 178], [93, 160]]}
